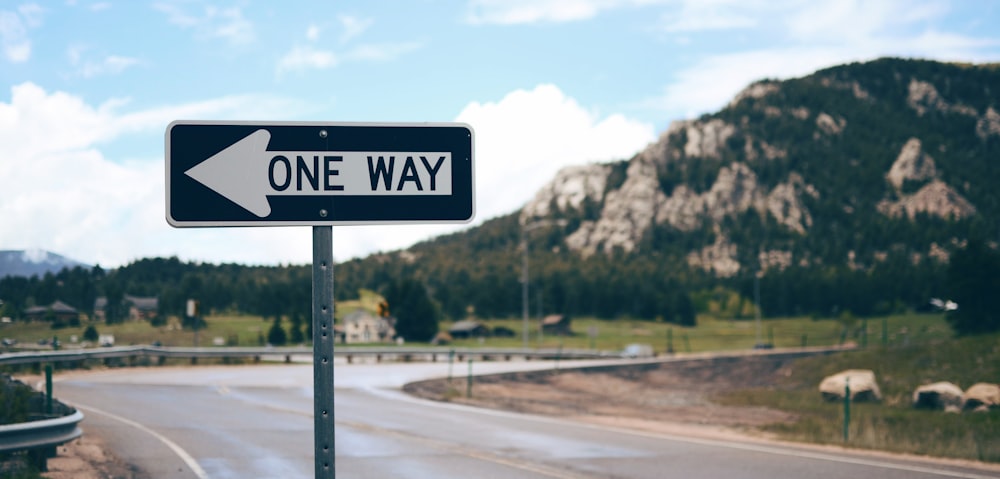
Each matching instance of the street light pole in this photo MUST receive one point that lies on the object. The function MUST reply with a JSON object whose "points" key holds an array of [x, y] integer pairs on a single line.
{"points": [[525, 228], [524, 287]]}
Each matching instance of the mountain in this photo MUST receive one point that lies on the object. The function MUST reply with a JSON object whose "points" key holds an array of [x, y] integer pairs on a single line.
{"points": [[34, 262], [864, 148], [846, 189]]}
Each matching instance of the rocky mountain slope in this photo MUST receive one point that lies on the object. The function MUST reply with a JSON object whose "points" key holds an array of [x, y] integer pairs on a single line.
{"points": [[843, 156]]}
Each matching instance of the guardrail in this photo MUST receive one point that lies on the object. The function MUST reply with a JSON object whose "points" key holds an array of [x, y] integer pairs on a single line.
{"points": [[388, 353], [41, 434]]}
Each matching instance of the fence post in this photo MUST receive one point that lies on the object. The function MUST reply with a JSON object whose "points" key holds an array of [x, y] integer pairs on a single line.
{"points": [[847, 407], [48, 389], [468, 382]]}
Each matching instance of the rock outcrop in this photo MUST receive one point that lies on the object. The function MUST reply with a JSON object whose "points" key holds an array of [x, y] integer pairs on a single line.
{"points": [[935, 198], [569, 189]]}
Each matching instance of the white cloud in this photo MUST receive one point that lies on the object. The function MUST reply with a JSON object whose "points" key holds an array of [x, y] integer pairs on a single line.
{"points": [[526, 137], [381, 52], [302, 58], [509, 12], [31, 13], [61, 192], [14, 28], [109, 65], [211, 22], [694, 16], [352, 26], [312, 33]]}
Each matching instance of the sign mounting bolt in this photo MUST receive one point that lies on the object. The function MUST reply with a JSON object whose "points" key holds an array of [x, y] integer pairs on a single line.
{"points": [[322, 133], [322, 213]]}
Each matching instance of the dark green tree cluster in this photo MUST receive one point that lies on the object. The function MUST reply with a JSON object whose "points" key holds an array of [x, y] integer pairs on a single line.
{"points": [[974, 283], [416, 314], [261, 290]]}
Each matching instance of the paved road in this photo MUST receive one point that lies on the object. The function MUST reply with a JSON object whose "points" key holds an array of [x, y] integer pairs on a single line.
{"points": [[256, 421]]}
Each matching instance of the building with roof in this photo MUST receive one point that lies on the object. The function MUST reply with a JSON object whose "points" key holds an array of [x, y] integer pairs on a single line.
{"points": [[360, 326], [57, 311]]}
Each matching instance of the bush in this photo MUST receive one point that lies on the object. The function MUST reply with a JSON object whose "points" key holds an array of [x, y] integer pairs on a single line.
{"points": [[90, 334], [276, 336]]}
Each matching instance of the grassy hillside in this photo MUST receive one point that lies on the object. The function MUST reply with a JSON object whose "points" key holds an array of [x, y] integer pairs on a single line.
{"points": [[892, 425]]}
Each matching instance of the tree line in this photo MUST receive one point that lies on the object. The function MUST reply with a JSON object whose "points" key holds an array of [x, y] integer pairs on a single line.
{"points": [[434, 280]]}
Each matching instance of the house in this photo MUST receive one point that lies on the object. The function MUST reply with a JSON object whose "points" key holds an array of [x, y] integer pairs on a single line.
{"points": [[360, 326], [138, 307], [142, 308], [468, 329], [557, 324], [57, 311]]}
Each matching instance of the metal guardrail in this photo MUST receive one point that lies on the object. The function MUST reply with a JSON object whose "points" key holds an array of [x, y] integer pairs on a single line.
{"points": [[42, 434], [350, 352]]}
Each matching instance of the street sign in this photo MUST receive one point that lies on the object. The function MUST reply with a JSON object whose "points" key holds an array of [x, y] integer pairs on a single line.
{"points": [[317, 174]]}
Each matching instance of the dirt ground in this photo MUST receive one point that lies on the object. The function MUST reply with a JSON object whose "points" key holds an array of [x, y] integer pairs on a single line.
{"points": [[667, 398], [88, 458]]}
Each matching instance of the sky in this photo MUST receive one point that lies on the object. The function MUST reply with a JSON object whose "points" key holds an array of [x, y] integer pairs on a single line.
{"points": [[87, 89]]}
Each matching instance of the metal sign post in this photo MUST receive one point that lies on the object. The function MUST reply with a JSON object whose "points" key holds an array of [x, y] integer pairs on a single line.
{"points": [[323, 338]]}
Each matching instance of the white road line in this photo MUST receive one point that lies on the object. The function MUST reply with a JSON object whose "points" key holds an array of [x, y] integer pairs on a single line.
{"points": [[187, 458]]}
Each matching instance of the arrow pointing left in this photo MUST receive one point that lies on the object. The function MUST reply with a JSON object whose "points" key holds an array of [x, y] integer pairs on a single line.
{"points": [[235, 173]]}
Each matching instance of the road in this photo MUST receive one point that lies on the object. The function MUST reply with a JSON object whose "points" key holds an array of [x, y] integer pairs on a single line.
{"points": [[256, 421]]}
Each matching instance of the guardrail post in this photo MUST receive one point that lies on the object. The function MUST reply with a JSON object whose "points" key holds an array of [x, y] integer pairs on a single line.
{"points": [[468, 382], [847, 408], [451, 362], [48, 389]]}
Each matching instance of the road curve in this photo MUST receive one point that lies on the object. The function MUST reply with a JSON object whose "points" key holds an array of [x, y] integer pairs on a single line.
{"points": [[256, 421]]}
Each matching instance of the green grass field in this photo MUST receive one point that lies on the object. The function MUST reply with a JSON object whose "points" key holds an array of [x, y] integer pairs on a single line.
{"points": [[711, 334]]}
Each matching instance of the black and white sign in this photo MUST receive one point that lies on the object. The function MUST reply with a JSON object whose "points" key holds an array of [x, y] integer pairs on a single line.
{"points": [[270, 174]]}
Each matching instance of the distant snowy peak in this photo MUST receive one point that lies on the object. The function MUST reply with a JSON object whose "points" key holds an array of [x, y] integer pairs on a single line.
{"points": [[34, 262]]}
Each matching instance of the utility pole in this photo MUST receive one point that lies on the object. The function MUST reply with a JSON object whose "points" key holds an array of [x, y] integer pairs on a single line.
{"points": [[525, 229]]}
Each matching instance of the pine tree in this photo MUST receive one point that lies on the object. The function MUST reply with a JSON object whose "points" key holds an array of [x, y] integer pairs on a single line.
{"points": [[276, 336]]}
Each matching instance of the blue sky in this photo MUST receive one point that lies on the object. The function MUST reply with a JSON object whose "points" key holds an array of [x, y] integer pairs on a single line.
{"points": [[87, 89]]}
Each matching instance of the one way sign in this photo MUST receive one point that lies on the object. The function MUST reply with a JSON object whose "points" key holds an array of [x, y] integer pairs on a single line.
{"points": [[270, 174]]}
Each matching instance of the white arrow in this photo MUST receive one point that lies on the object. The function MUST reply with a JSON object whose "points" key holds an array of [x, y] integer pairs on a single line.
{"points": [[229, 174], [246, 173]]}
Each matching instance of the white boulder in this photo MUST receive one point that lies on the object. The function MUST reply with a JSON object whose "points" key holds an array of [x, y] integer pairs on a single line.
{"points": [[982, 397], [941, 396], [862, 384]]}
